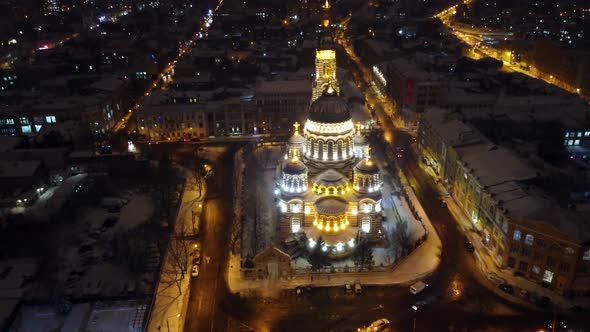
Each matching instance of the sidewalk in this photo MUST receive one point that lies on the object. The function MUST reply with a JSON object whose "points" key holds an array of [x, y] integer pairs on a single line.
{"points": [[170, 302], [487, 264]]}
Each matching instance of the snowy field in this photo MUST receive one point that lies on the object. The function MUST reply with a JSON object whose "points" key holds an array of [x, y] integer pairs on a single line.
{"points": [[261, 219], [88, 247]]}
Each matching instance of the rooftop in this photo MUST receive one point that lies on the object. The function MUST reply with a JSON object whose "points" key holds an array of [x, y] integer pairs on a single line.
{"points": [[492, 165]]}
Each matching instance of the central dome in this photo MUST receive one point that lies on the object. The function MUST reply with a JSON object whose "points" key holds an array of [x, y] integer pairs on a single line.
{"points": [[329, 108]]}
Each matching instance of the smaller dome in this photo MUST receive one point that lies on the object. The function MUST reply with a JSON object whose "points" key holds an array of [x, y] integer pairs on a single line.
{"points": [[367, 166], [359, 140], [297, 139], [294, 167], [331, 206], [330, 178]]}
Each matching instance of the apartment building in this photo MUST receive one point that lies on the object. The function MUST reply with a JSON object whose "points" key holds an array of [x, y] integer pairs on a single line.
{"points": [[523, 229]]}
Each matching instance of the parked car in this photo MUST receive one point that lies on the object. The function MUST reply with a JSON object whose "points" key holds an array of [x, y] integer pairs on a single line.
{"points": [[379, 325], [347, 287], [506, 288], [419, 305], [195, 271], [469, 246], [418, 287], [358, 289]]}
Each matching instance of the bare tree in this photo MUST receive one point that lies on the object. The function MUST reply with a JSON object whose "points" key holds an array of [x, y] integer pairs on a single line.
{"points": [[165, 180], [363, 254], [177, 265], [399, 239], [200, 169]]}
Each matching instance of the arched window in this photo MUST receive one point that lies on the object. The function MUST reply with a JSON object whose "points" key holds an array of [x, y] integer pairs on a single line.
{"points": [[295, 207], [366, 224], [529, 239], [367, 207], [331, 154]]}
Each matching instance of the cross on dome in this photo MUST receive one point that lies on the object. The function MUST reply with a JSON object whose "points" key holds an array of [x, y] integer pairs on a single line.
{"points": [[296, 125]]}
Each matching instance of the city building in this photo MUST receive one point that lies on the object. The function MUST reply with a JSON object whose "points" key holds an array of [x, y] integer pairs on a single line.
{"points": [[325, 58], [412, 88], [328, 187], [97, 108], [523, 229], [185, 115], [281, 102], [51, 7]]}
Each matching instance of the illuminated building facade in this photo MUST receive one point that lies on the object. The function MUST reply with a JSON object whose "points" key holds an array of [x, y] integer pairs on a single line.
{"points": [[328, 186], [325, 58]]}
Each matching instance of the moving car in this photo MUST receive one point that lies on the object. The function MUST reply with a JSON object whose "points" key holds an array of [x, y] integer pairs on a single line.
{"points": [[418, 287], [379, 325], [419, 305], [195, 271]]}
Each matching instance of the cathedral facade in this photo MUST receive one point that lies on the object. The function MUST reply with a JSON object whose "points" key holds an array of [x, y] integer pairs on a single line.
{"points": [[328, 186]]}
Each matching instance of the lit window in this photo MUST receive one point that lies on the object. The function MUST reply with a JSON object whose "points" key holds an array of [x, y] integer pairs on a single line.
{"points": [[516, 236], [295, 208], [366, 224], [295, 224], [529, 239], [536, 269], [569, 251], [38, 128], [586, 256], [505, 227], [577, 142], [24, 121], [50, 119], [26, 129]]}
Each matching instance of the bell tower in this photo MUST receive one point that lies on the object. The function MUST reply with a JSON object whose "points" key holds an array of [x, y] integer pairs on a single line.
{"points": [[325, 58]]}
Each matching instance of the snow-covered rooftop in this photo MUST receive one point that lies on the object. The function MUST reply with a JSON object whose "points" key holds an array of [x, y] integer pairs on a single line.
{"points": [[493, 165]]}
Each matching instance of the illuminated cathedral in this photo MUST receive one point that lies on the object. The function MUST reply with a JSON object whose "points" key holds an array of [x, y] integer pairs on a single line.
{"points": [[327, 185]]}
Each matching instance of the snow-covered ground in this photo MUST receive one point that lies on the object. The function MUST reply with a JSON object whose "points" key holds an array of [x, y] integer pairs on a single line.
{"points": [[116, 316], [85, 246], [261, 219]]}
